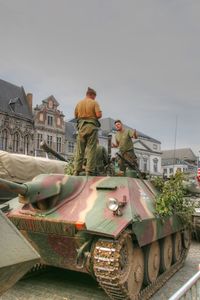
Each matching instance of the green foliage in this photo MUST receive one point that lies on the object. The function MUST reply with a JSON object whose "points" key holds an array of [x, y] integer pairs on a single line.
{"points": [[171, 198], [69, 169]]}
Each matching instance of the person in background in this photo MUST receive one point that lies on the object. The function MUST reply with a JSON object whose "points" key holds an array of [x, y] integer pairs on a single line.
{"points": [[101, 160], [123, 141], [87, 112]]}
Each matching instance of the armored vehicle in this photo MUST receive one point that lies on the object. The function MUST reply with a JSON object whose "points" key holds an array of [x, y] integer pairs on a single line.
{"points": [[192, 188], [17, 255], [104, 226], [20, 168]]}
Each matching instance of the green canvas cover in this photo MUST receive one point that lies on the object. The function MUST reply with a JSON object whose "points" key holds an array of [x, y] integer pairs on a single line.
{"points": [[22, 168]]}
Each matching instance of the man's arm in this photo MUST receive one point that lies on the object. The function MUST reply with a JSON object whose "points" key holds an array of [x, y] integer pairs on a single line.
{"points": [[76, 112], [134, 134], [98, 111]]}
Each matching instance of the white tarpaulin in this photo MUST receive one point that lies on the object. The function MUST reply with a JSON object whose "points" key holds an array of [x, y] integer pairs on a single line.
{"points": [[21, 168]]}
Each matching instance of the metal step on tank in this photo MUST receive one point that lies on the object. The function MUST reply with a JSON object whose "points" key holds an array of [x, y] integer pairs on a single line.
{"points": [[17, 255]]}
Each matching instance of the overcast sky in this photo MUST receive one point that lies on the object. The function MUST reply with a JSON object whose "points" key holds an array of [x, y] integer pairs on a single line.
{"points": [[141, 56]]}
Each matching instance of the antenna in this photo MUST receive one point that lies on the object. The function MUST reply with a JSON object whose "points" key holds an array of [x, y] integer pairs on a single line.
{"points": [[175, 136]]}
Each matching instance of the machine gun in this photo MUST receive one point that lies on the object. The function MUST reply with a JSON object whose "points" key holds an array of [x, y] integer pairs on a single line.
{"points": [[132, 165], [47, 149], [109, 167]]}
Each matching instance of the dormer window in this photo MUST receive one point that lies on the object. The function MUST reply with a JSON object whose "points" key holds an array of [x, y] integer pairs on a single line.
{"points": [[14, 102], [49, 120]]}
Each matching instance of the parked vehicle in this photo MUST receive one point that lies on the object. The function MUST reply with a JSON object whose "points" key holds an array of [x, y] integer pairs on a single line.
{"points": [[17, 255], [104, 226]]}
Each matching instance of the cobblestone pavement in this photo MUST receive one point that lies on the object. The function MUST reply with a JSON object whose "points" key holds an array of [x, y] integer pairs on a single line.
{"points": [[57, 284]]}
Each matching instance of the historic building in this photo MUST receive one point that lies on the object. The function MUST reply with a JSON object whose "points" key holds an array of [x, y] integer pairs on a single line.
{"points": [[49, 126], [16, 119], [183, 160]]}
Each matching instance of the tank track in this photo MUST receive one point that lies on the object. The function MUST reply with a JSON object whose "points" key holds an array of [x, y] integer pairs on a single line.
{"points": [[106, 263]]}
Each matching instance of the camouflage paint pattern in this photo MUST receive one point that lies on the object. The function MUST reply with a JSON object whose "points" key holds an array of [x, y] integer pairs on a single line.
{"points": [[61, 214]]}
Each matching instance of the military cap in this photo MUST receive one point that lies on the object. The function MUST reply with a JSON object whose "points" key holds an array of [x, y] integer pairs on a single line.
{"points": [[91, 91]]}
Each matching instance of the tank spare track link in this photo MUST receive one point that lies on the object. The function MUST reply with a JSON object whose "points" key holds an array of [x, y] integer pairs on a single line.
{"points": [[106, 263]]}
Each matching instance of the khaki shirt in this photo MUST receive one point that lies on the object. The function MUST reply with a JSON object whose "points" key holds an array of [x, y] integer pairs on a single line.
{"points": [[87, 109], [124, 139]]}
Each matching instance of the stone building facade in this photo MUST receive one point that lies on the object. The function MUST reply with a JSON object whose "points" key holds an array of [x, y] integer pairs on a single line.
{"points": [[49, 126], [16, 119]]}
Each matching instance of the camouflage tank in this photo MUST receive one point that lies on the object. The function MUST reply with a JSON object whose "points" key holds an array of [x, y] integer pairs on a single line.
{"points": [[104, 226]]}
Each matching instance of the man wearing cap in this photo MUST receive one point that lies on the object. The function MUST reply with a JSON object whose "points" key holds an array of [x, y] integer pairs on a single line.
{"points": [[123, 139], [87, 112]]}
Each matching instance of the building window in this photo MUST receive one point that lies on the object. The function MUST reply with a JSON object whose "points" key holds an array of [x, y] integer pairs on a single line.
{"points": [[50, 120], [145, 164], [39, 140], [70, 147], [164, 171], [58, 144], [155, 165], [171, 170], [16, 142], [4, 142], [155, 147], [26, 144], [49, 140]]}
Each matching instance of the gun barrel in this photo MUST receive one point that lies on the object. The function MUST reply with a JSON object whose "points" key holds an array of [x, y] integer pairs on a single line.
{"points": [[47, 149], [13, 187]]}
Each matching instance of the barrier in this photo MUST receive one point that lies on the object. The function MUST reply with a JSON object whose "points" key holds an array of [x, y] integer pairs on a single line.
{"points": [[190, 290]]}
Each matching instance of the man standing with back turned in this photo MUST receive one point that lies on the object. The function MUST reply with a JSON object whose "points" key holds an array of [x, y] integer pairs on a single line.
{"points": [[87, 112]]}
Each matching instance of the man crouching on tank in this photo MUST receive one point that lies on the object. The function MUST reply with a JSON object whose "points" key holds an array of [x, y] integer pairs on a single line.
{"points": [[123, 141]]}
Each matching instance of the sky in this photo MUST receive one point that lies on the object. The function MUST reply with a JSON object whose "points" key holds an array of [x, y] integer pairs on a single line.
{"points": [[141, 56]]}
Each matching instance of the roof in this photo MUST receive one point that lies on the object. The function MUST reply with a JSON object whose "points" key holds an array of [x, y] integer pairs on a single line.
{"points": [[51, 98], [181, 154], [13, 100]]}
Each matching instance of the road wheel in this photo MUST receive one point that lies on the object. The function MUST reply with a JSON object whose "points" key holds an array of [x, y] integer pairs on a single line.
{"points": [[165, 253], [151, 262], [177, 247]]}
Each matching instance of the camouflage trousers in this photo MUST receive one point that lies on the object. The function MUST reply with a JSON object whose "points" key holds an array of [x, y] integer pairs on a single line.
{"points": [[130, 157], [87, 137]]}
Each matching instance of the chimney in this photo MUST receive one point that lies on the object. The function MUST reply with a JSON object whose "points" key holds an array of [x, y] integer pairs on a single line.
{"points": [[29, 98]]}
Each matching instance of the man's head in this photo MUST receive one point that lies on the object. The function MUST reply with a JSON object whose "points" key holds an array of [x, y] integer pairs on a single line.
{"points": [[91, 93], [118, 125]]}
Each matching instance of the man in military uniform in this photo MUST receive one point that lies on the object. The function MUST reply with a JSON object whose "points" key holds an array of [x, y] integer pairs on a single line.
{"points": [[124, 142], [87, 112], [101, 160]]}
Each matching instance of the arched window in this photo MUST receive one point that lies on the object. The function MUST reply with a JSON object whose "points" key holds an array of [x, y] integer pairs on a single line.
{"points": [[26, 144], [4, 140], [16, 142]]}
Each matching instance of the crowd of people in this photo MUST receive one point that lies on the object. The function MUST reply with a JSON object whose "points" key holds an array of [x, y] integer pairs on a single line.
{"points": [[91, 157]]}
